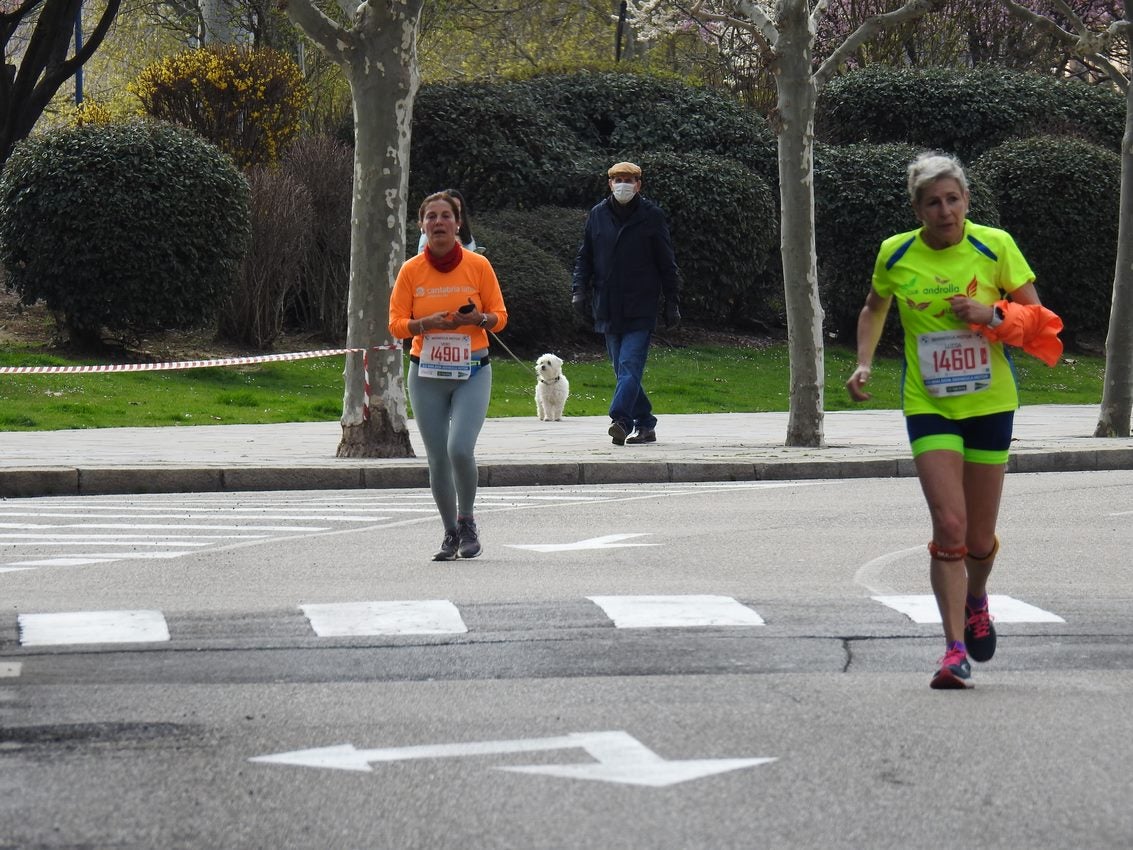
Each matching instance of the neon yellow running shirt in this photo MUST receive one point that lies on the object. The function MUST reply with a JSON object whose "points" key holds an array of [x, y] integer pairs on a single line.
{"points": [[950, 370]]}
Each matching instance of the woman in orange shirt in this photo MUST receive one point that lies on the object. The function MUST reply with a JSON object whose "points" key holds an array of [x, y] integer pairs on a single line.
{"points": [[447, 299]]}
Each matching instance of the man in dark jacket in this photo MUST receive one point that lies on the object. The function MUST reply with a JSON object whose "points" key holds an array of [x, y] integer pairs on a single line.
{"points": [[624, 266]]}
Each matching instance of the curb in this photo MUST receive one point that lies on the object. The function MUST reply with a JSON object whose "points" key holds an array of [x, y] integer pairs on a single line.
{"points": [[25, 482]]}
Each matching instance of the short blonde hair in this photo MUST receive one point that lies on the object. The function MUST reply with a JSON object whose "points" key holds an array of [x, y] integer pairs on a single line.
{"points": [[929, 167]]}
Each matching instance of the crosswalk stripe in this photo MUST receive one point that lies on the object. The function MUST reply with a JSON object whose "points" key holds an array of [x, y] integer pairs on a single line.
{"points": [[409, 617], [647, 612], [441, 617], [921, 608], [81, 627]]}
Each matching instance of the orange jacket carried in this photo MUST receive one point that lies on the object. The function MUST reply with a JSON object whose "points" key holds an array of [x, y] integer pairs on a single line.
{"points": [[1030, 327]]}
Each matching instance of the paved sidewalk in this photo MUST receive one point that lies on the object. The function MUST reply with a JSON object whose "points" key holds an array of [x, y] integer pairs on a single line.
{"points": [[517, 451]]}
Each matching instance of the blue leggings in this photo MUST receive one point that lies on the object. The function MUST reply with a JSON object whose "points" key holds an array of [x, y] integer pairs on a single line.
{"points": [[449, 415]]}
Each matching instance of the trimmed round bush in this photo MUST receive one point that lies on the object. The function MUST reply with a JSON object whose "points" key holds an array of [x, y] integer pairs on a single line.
{"points": [[862, 198], [1059, 198], [492, 141], [963, 111], [130, 227], [549, 139], [557, 230], [536, 290], [723, 219], [611, 111]]}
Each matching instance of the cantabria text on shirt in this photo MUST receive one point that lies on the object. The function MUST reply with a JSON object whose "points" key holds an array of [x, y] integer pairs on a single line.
{"points": [[954, 362]]}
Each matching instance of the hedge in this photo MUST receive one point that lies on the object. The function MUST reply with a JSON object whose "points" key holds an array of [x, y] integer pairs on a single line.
{"points": [[1059, 198], [861, 198], [964, 111], [130, 227]]}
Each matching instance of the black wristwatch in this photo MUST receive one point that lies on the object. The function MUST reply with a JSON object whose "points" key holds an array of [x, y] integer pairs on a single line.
{"points": [[484, 320]]}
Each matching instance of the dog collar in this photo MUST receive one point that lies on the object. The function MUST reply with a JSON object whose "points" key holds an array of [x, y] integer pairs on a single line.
{"points": [[559, 378]]}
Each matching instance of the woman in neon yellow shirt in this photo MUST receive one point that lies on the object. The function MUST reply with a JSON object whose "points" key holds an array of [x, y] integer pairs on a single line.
{"points": [[958, 389]]}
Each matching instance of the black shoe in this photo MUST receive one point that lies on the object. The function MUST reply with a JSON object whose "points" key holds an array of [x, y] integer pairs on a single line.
{"points": [[979, 633], [469, 537], [646, 436], [449, 547], [618, 432]]}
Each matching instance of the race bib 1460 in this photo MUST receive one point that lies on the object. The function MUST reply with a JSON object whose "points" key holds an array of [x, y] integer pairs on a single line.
{"points": [[954, 362]]}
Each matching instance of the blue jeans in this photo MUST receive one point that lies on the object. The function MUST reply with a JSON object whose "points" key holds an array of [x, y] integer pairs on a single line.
{"points": [[630, 405]]}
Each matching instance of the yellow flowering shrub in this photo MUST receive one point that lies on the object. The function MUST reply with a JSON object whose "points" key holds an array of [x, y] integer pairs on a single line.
{"points": [[91, 112], [246, 101]]}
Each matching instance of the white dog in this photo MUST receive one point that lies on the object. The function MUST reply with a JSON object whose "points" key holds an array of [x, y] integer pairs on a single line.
{"points": [[552, 388]]}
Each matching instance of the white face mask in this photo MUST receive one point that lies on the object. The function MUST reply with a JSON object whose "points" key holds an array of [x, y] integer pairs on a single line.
{"points": [[624, 192]]}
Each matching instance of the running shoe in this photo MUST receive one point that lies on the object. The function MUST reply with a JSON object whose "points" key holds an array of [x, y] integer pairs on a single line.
{"points": [[955, 672], [469, 537], [449, 547], [979, 633]]}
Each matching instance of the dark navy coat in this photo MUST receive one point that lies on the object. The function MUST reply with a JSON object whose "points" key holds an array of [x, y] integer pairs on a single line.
{"points": [[626, 266]]}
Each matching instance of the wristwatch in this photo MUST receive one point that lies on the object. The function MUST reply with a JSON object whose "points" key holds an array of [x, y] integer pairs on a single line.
{"points": [[997, 317], [484, 320]]}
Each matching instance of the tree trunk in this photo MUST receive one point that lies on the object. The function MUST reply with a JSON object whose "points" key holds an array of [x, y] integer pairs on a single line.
{"points": [[217, 22], [378, 55], [1117, 392], [797, 95], [383, 84]]}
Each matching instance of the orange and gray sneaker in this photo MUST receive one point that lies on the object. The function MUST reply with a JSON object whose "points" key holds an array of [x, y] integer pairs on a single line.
{"points": [[955, 672], [979, 633]]}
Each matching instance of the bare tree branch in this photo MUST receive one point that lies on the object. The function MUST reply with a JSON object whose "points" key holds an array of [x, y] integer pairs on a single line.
{"points": [[333, 38], [912, 10]]}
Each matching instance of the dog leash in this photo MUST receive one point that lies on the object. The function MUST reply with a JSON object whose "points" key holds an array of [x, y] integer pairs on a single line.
{"points": [[508, 350]]}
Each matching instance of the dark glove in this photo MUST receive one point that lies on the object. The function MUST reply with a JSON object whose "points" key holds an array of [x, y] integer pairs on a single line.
{"points": [[578, 302], [672, 314]]}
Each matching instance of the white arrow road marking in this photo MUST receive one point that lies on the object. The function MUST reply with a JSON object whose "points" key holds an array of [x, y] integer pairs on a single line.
{"points": [[92, 627], [1004, 609], [621, 758], [610, 541], [406, 617], [659, 612]]}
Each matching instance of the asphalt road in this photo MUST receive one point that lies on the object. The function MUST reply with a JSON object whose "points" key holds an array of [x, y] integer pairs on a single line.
{"points": [[774, 692]]}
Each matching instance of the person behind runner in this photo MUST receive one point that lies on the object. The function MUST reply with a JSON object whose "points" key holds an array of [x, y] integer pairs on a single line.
{"points": [[958, 388], [624, 266], [467, 241], [447, 299]]}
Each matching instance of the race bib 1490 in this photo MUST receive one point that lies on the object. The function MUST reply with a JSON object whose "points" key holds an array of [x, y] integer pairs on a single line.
{"points": [[446, 356]]}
